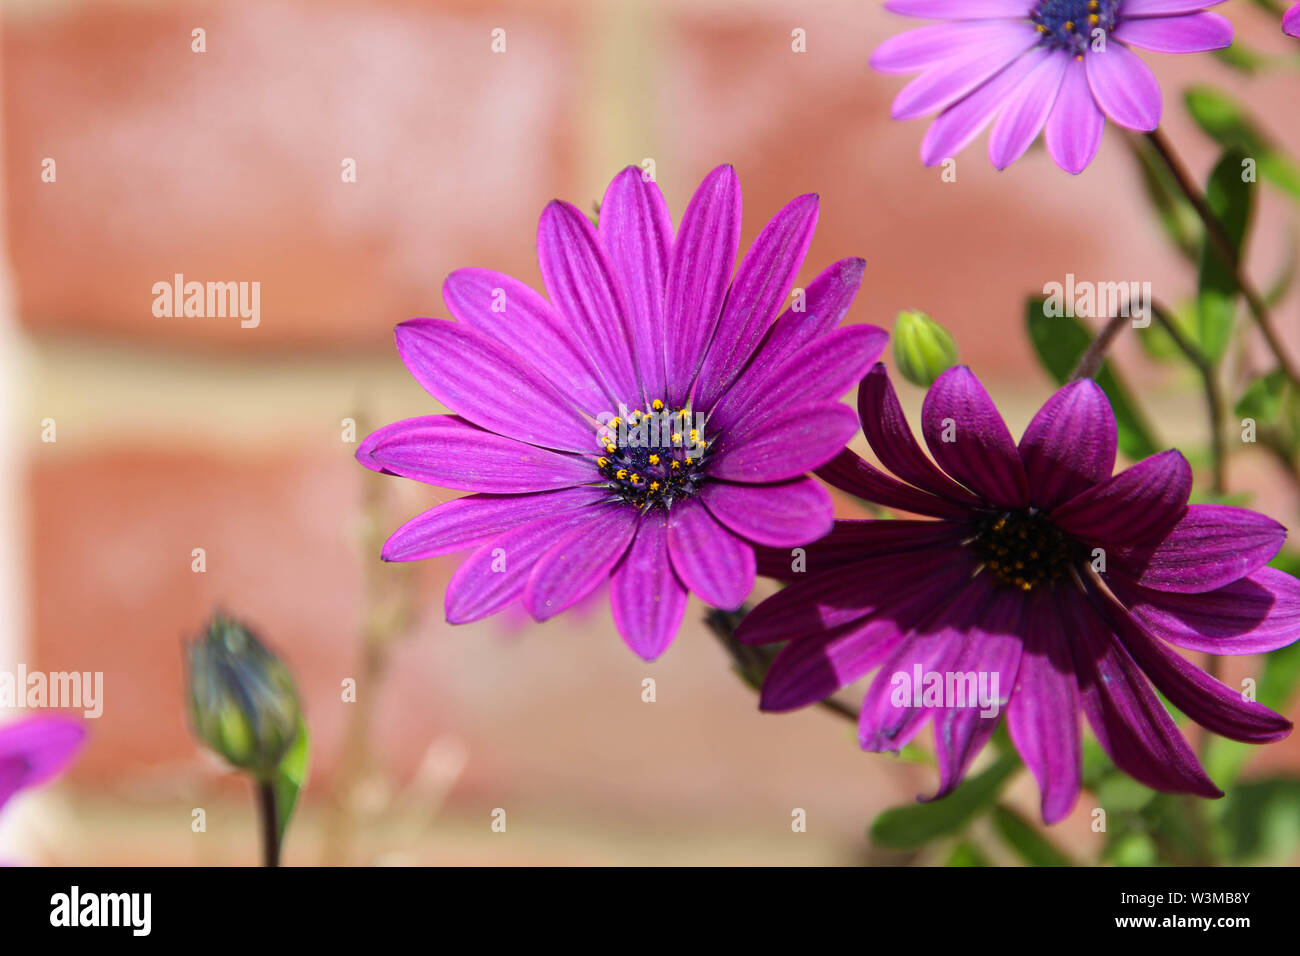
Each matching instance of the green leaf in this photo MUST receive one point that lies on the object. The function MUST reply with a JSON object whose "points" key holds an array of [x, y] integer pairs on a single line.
{"points": [[1231, 200], [1023, 837], [912, 826], [291, 777], [967, 854], [1224, 121], [1241, 58], [1060, 342], [1133, 849], [1262, 819], [1262, 399]]}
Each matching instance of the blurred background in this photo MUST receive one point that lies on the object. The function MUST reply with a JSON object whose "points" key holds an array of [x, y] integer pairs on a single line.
{"points": [[182, 433]]}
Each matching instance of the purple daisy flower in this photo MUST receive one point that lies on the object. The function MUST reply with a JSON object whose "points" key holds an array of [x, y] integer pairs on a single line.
{"points": [[35, 751], [1062, 66], [646, 426], [1061, 584], [1291, 21]]}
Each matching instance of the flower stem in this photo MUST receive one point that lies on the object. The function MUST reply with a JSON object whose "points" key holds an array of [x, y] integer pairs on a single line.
{"points": [[1210, 383], [1223, 246], [1090, 361], [270, 822]]}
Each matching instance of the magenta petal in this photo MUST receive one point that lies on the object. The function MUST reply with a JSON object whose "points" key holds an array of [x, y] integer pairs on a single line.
{"points": [[949, 80], [1027, 110], [1043, 716], [1194, 33], [1259, 613], [1074, 127], [786, 514], [991, 654], [850, 540], [1145, 500], [490, 385], [850, 473], [645, 595], [35, 750], [519, 319], [710, 560], [1291, 21], [580, 280], [496, 574], [784, 445], [826, 302], [1210, 703], [577, 563], [923, 47], [469, 521], [445, 451], [638, 232], [698, 277], [1212, 545], [1124, 86], [1164, 8], [958, 9], [969, 440], [1070, 444], [850, 592], [1131, 724], [891, 439], [890, 715], [762, 282], [961, 122]]}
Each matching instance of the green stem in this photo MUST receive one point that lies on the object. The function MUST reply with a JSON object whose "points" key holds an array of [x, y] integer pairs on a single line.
{"points": [[1210, 384], [1090, 362]]}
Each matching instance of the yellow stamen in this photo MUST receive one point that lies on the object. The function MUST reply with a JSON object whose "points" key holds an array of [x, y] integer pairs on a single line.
{"points": [[654, 459]]}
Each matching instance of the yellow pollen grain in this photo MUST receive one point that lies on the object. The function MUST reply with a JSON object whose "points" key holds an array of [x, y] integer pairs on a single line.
{"points": [[602, 461], [676, 464], [1094, 19], [621, 474], [1069, 24], [654, 486], [653, 459], [657, 405]]}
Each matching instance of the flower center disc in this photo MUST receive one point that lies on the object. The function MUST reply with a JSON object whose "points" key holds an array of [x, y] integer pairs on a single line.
{"points": [[1023, 548], [1071, 24], [655, 457]]}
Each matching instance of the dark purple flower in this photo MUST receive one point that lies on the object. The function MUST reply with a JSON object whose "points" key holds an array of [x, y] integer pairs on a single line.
{"points": [[1057, 65], [36, 750], [1291, 21], [647, 425], [1044, 572]]}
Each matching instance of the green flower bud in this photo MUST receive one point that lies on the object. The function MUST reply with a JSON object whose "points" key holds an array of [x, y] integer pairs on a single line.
{"points": [[923, 349], [243, 704]]}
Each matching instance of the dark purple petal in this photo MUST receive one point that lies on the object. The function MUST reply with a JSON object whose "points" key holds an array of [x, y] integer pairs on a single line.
{"points": [[703, 257], [1144, 501], [1194, 33], [1131, 724], [850, 541], [445, 451], [1070, 444], [762, 282], [850, 592], [581, 282], [1124, 87], [496, 574], [469, 521], [1212, 545], [891, 439], [949, 80], [822, 371], [785, 445], [961, 122], [850, 473], [1026, 111], [1164, 8], [978, 451], [1074, 127], [35, 750], [638, 233], [1210, 703], [645, 595], [520, 319], [991, 650], [887, 724], [490, 385], [581, 560], [710, 560], [1259, 613], [1043, 717], [786, 514]]}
